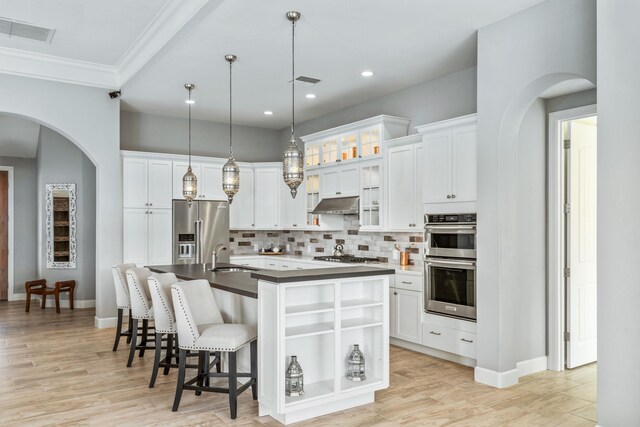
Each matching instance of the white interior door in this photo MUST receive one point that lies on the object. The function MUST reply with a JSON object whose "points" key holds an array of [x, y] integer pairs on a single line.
{"points": [[581, 245]]}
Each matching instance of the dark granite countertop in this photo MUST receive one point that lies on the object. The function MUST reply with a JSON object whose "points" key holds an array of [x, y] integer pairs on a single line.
{"points": [[246, 283]]}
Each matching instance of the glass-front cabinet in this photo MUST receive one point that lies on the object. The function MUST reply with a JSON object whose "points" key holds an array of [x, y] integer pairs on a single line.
{"points": [[312, 155], [330, 152], [370, 142], [370, 194], [313, 197], [349, 147]]}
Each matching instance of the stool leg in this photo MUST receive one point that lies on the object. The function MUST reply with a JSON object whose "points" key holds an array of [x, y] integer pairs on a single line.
{"points": [[44, 300], [207, 361], [180, 384], [28, 301], [233, 385], [169, 356], [134, 340], [129, 330], [200, 371], [57, 299], [219, 362], [143, 341], [156, 359], [118, 330], [254, 369]]}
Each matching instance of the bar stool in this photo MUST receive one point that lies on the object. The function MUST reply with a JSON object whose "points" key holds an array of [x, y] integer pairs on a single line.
{"points": [[164, 321], [123, 301], [141, 309], [201, 329]]}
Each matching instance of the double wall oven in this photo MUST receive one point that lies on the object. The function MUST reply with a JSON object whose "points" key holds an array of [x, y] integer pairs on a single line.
{"points": [[450, 265]]}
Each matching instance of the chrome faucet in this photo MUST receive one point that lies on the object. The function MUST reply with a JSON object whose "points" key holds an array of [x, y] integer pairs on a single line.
{"points": [[214, 255]]}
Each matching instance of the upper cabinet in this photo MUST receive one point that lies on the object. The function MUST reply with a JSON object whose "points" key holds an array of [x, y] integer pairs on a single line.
{"points": [[404, 166], [147, 183], [339, 181], [450, 161], [268, 177], [353, 141], [209, 175], [241, 211], [370, 195]]}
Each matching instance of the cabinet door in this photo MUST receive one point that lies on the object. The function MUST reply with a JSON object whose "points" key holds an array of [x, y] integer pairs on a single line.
{"points": [[437, 167], [293, 210], [160, 183], [179, 169], [370, 141], [464, 168], [401, 187], [160, 252], [349, 180], [409, 315], [329, 183], [393, 313], [212, 182], [370, 195], [135, 237], [135, 183], [267, 191], [241, 210], [418, 177]]}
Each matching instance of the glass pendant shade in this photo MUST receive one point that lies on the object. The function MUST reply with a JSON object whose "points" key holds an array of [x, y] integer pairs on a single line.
{"points": [[189, 185], [230, 178], [294, 379], [355, 365], [293, 167]]}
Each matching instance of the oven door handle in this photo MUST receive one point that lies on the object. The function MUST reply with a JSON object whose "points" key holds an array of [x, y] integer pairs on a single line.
{"points": [[449, 228], [451, 263]]}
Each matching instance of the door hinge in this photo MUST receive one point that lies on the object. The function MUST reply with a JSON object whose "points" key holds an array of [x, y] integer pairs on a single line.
{"points": [[567, 208], [567, 336], [567, 144], [567, 272]]}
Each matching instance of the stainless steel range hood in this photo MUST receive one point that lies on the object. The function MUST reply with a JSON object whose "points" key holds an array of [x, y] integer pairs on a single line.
{"points": [[338, 206]]}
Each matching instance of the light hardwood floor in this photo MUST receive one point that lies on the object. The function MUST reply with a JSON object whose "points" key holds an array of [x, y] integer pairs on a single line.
{"points": [[60, 370]]}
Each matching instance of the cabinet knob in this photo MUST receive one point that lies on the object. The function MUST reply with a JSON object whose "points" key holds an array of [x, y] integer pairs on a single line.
{"points": [[150, 204], [253, 225], [448, 196], [146, 204], [435, 333], [338, 192], [453, 196], [395, 293], [150, 212]]}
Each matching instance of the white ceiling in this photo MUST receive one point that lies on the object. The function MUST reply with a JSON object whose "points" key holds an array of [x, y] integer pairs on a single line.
{"points": [[18, 137], [403, 42]]}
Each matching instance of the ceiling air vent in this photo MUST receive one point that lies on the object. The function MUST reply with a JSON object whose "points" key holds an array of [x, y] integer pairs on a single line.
{"points": [[307, 80], [12, 28]]}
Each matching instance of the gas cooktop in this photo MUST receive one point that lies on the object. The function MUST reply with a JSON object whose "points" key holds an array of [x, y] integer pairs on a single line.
{"points": [[347, 259]]}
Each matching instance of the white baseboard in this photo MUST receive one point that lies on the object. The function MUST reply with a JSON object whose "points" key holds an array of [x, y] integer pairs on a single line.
{"points": [[434, 352], [531, 366], [51, 302], [511, 377], [107, 322]]}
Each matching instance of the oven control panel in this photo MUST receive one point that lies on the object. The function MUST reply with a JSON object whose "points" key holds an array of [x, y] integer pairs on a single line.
{"points": [[451, 218]]}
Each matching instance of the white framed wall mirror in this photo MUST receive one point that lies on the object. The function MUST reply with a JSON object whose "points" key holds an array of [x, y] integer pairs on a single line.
{"points": [[61, 226]]}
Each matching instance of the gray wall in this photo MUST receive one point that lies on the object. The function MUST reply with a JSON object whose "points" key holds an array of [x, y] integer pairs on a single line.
{"points": [[163, 134], [60, 162], [618, 207], [516, 63], [443, 98], [532, 258], [25, 212]]}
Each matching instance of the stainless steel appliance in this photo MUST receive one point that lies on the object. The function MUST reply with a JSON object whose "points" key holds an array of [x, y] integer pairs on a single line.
{"points": [[198, 229], [347, 259], [450, 265]]}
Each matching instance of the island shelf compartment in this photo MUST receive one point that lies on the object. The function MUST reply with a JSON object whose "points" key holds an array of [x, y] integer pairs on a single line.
{"points": [[316, 357]]}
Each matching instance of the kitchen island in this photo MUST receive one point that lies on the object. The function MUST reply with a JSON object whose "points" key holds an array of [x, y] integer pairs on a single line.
{"points": [[315, 314]]}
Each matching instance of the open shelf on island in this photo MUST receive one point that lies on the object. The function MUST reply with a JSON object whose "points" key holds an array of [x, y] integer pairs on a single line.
{"points": [[320, 307], [308, 330], [360, 303], [347, 385], [312, 391], [359, 322]]}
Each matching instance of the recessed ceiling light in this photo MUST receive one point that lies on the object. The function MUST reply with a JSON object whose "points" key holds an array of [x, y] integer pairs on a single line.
{"points": [[366, 73], [268, 113], [310, 95], [190, 101]]}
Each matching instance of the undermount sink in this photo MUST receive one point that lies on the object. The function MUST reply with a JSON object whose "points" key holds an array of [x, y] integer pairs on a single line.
{"points": [[233, 270]]}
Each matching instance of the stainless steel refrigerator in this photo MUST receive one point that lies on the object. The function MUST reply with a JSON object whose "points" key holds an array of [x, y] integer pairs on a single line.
{"points": [[198, 229]]}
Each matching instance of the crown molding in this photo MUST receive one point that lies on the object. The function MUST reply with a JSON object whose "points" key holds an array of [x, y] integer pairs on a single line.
{"points": [[163, 27]]}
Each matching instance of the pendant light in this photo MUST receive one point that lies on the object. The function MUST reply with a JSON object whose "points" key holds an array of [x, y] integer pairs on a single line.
{"points": [[189, 180], [230, 170], [292, 161]]}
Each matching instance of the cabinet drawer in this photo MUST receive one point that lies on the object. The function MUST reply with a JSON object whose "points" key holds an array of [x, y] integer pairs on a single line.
{"points": [[408, 282], [451, 340]]}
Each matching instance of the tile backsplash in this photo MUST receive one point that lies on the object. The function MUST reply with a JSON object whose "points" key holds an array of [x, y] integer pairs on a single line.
{"points": [[355, 242]]}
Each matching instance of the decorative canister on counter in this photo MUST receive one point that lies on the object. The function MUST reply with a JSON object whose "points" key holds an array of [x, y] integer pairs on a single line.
{"points": [[294, 378], [355, 365], [404, 258]]}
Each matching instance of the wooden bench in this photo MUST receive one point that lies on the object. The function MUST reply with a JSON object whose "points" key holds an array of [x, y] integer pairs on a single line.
{"points": [[39, 287]]}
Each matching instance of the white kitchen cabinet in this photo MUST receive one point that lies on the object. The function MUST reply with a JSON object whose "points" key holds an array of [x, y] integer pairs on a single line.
{"points": [[209, 177], [241, 211], [294, 211], [267, 197], [146, 183], [371, 195], [404, 195], [147, 236], [340, 181], [450, 161], [456, 341], [179, 169], [405, 302]]}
